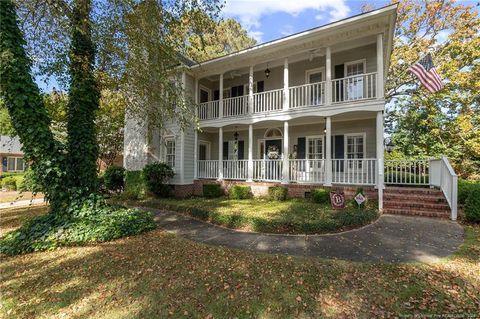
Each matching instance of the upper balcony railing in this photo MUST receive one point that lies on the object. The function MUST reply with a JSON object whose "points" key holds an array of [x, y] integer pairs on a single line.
{"points": [[344, 90]]}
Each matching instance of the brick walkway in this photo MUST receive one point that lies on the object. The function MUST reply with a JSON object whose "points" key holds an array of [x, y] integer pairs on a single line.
{"points": [[390, 239]]}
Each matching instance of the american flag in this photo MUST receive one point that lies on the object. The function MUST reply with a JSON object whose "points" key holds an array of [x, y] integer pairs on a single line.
{"points": [[426, 73]]}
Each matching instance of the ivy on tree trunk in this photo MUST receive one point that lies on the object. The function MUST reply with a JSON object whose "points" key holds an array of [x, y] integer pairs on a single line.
{"points": [[25, 106], [82, 103]]}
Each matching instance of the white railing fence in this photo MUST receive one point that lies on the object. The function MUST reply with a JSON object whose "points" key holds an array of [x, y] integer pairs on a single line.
{"points": [[235, 169], [267, 170], [407, 172], [208, 110], [307, 95], [235, 106], [268, 101], [207, 169], [356, 87], [354, 171], [443, 176], [307, 170]]}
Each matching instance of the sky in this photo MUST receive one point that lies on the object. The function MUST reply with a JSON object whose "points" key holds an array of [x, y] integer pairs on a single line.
{"points": [[267, 20]]}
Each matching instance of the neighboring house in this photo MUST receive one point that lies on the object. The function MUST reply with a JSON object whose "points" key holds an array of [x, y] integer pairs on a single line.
{"points": [[303, 110], [11, 155]]}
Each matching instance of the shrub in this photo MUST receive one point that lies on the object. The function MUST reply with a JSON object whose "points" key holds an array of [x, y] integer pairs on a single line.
{"points": [[156, 175], [465, 187], [472, 207], [134, 185], [114, 178], [9, 183], [278, 193], [212, 191], [321, 195], [91, 222], [240, 192], [29, 183]]}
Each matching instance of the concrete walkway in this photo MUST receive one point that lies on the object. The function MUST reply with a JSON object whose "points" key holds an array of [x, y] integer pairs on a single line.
{"points": [[390, 239], [22, 203]]}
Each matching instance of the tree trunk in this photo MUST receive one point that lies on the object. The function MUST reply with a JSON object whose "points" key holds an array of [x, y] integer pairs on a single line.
{"points": [[83, 103]]}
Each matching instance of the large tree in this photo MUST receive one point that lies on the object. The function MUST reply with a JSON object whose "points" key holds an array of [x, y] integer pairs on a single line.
{"points": [[446, 122]]}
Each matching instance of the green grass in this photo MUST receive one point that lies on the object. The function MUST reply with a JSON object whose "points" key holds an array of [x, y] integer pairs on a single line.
{"points": [[262, 215], [159, 275]]}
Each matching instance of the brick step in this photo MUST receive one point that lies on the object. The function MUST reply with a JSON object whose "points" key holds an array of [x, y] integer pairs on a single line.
{"points": [[422, 205], [413, 212], [412, 190], [415, 198]]}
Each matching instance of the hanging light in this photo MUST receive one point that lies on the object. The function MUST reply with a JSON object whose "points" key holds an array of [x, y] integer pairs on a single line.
{"points": [[267, 71], [236, 135]]}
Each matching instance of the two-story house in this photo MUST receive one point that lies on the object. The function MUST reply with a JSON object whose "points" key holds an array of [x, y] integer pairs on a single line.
{"points": [[304, 110]]}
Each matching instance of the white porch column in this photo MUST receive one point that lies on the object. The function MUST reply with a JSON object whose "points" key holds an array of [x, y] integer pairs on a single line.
{"points": [[286, 167], [286, 102], [250, 153], [220, 97], [195, 155], [250, 90], [220, 153], [328, 77], [380, 72], [380, 151], [328, 151], [196, 97]]}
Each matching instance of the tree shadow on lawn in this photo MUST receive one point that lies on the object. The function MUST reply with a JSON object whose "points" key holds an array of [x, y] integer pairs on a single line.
{"points": [[156, 275]]}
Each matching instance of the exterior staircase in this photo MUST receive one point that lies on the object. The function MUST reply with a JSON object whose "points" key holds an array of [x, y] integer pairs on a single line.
{"points": [[415, 201]]}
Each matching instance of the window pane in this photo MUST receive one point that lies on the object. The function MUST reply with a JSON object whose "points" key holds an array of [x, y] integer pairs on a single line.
{"points": [[11, 164], [19, 164]]}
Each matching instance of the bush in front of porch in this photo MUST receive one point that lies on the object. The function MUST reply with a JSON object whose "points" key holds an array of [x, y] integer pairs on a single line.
{"points": [[296, 216]]}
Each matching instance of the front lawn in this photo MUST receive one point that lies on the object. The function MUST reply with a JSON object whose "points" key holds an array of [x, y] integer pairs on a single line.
{"points": [[159, 275], [262, 215]]}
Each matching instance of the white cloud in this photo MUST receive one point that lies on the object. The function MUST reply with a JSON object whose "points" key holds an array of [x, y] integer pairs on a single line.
{"points": [[286, 30], [257, 35], [249, 12], [319, 17]]}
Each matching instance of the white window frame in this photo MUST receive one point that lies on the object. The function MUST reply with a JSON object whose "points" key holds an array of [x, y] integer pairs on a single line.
{"points": [[15, 168], [165, 154], [363, 61], [206, 89], [313, 71], [208, 145], [345, 146], [310, 166], [255, 87]]}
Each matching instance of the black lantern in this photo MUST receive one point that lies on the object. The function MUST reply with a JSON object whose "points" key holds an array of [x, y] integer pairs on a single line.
{"points": [[267, 71]]}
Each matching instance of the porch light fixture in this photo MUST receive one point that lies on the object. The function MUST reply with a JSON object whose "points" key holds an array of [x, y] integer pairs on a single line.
{"points": [[236, 135], [267, 72]]}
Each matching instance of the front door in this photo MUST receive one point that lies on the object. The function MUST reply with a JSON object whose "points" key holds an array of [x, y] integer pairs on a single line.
{"points": [[271, 144]]}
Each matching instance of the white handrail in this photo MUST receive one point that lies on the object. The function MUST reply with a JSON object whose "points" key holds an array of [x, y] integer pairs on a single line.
{"points": [[235, 106], [268, 101], [207, 169], [235, 169], [307, 170], [407, 172], [208, 110], [444, 176], [354, 171], [307, 95], [355, 87], [267, 170]]}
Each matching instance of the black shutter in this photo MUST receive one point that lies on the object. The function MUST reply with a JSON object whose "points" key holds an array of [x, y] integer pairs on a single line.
{"points": [[339, 73], [240, 90], [225, 150], [241, 150], [301, 141], [234, 91], [260, 86], [216, 95]]}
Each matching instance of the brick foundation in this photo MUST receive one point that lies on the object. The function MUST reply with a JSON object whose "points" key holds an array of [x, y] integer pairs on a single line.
{"points": [[183, 191], [295, 190]]}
